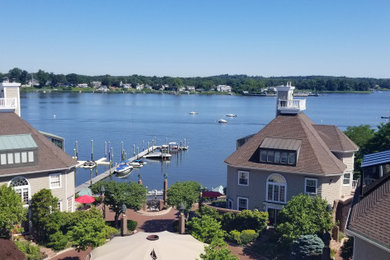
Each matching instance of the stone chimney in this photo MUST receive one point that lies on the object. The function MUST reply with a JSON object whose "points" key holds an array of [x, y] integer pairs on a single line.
{"points": [[10, 97], [285, 102]]}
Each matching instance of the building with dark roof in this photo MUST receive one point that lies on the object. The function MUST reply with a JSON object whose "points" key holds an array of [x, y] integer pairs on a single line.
{"points": [[29, 161], [368, 220], [289, 156]]}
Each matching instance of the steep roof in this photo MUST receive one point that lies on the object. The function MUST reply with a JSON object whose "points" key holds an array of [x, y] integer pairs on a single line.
{"points": [[314, 154], [50, 157], [336, 140], [369, 216]]}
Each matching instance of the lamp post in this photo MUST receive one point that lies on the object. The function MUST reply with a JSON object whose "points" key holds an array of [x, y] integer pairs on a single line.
{"points": [[124, 220], [102, 190]]}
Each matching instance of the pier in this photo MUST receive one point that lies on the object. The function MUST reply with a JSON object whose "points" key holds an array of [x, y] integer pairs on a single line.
{"points": [[103, 161]]}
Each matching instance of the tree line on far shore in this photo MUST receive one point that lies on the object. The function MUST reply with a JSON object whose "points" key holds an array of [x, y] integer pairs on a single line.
{"points": [[239, 83]]}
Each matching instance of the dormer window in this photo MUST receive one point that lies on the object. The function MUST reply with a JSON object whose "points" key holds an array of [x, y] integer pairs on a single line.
{"points": [[279, 151], [17, 150]]}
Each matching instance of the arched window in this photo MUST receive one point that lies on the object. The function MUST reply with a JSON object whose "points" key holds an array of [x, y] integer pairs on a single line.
{"points": [[276, 189], [22, 188]]}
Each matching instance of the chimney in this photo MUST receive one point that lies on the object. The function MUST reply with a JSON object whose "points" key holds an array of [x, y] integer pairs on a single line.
{"points": [[285, 103], [10, 97]]}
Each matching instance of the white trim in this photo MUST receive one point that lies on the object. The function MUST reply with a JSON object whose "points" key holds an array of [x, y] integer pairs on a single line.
{"points": [[311, 179], [50, 180], [72, 203], [276, 184], [238, 178], [28, 186], [42, 171], [238, 202], [350, 178], [271, 171]]}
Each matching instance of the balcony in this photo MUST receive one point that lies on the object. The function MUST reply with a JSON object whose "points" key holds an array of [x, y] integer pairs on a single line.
{"points": [[293, 106], [8, 104]]}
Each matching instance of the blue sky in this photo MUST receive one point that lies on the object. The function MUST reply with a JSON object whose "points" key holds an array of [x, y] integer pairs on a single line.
{"points": [[197, 38]]}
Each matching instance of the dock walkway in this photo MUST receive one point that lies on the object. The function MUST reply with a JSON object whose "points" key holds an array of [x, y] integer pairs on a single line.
{"points": [[111, 170]]}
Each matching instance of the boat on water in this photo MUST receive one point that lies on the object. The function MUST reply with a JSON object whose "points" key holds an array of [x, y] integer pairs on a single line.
{"points": [[173, 147], [135, 164], [159, 156], [123, 169], [222, 121], [193, 113], [231, 115]]}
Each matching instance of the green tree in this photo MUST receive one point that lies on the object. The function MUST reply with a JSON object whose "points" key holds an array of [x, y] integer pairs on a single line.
{"points": [[90, 230], [11, 211], [217, 250], [132, 194], [42, 77], [306, 247], [15, 74], [184, 192], [380, 141], [206, 229], [43, 203], [303, 215]]}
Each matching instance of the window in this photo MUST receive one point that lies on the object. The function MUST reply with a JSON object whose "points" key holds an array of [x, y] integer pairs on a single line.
{"points": [[230, 204], [276, 189], [17, 157], [59, 205], [30, 156], [10, 158], [278, 157], [55, 180], [310, 186], [243, 178], [347, 179], [22, 188], [3, 159], [24, 157], [242, 203]]}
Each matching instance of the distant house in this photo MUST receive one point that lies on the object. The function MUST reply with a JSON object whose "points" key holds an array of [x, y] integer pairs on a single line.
{"points": [[369, 217], [164, 87], [190, 88], [289, 156], [139, 87], [181, 89], [95, 84], [82, 85], [103, 89], [29, 161], [126, 86], [31, 83], [224, 88]]}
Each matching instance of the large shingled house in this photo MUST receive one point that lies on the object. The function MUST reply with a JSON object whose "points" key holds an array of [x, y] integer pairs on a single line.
{"points": [[289, 156], [29, 161], [368, 220]]}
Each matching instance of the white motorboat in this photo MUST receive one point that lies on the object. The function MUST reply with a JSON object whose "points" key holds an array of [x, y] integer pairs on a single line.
{"points": [[222, 121], [231, 115], [193, 113], [135, 164], [158, 155], [173, 147], [123, 169]]}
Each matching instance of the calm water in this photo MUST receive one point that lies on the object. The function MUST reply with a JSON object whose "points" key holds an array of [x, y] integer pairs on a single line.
{"points": [[133, 118]]}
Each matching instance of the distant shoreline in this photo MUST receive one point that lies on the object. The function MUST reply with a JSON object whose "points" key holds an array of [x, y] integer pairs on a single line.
{"points": [[148, 91]]}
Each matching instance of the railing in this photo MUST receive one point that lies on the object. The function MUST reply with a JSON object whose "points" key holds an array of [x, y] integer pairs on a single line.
{"points": [[295, 104], [8, 103]]}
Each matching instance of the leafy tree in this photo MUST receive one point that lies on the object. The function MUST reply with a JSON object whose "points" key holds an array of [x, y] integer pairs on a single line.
{"points": [[91, 230], [24, 77], [132, 194], [184, 192], [245, 219], [42, 77], [307, 247], [43, 203], [303, 215], [217, 250], [15, 74], [380, 141], [73, 78], [11, 211], [206, 229]]}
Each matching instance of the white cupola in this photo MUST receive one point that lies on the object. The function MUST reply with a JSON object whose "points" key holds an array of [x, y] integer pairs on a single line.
{"points": [[285, 103], [9, 97]]}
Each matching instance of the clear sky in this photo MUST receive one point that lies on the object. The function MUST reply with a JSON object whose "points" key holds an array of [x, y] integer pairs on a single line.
{"points": [[197, 38]]}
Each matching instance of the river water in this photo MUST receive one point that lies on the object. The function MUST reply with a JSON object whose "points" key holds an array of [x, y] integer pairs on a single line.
{"points": [[134, 118]]}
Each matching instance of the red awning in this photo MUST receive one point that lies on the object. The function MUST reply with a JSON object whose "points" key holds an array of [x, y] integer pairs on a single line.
{"points": [[211, 194], [85, 199]]}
